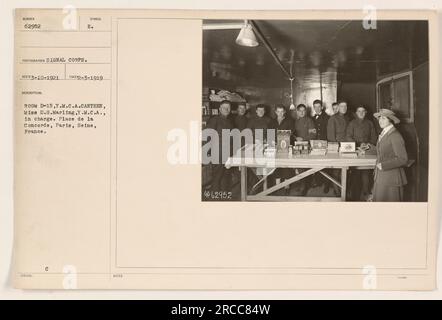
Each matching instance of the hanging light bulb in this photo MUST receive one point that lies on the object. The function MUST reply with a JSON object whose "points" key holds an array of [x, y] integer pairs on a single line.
{"points": [[246, 37], [292, 105], [292, 60]]}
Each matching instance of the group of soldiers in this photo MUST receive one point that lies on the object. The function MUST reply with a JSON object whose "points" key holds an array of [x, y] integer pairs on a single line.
{"points": [[333, 125]]}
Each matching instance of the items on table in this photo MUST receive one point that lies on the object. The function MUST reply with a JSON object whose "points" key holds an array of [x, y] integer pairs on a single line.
{"points": [[313, 147], [318, 147], [333, 147], [283, 141], [348, 149], [301, 148]]}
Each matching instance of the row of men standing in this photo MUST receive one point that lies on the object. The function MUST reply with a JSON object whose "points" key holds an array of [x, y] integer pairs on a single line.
{"points": [[334, 126]]}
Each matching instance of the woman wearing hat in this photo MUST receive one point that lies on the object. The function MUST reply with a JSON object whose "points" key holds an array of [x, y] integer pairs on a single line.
{"points": [[389, 176]]}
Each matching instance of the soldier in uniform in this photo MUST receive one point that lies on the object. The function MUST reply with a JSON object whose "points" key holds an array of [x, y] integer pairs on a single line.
{"points": [[221, 176], [305, 129], [337, 132], [283, 122], [260, 122], [362, 131], [240, 119], [337, 124]]}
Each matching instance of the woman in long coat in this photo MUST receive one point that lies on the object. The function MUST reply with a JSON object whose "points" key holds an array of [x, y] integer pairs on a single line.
{"points": [[389, 178]]}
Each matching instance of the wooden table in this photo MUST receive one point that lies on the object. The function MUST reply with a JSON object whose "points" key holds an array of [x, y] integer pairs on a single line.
{"points": [[244, 158]]}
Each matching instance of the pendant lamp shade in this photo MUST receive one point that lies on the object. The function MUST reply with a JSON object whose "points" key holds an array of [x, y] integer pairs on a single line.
{"points": [[246, 37]]}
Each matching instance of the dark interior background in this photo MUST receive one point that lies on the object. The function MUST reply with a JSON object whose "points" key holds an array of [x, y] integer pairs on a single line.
{"points": [[346, 58]]}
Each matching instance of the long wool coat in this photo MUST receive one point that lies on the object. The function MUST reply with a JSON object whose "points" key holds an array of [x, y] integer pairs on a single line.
{"points": [[392, 155]]}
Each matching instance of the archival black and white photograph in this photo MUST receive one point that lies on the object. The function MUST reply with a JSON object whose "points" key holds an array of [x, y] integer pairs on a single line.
{"points": [[315, 110], [225, 150]]}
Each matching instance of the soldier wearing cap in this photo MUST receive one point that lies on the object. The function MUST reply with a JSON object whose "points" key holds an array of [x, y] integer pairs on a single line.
{"points": [[389, 177]]}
